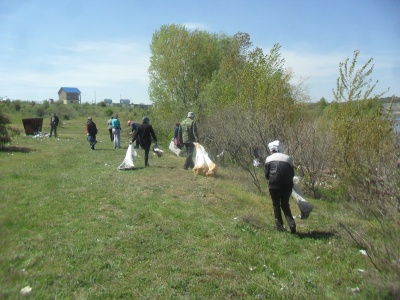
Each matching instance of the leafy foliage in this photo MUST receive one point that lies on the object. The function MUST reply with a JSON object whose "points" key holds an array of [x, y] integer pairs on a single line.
{"points": [[6, 131]]}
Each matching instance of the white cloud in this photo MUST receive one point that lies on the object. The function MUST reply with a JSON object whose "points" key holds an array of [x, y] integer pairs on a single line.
{"points": [[194, 26]]}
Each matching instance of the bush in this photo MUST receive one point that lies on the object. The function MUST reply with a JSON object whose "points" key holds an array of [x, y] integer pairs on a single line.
{"points": [[6, 132]]}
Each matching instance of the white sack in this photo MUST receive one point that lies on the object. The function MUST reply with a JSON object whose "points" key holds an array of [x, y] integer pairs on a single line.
{"points": [[297, 185], [304, 206], [174, 148], [203, 164], [127, 164], [157, 151]]}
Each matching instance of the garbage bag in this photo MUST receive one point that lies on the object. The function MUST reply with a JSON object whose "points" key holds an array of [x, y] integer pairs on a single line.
{"points": [[157, 151], [174, 148], [203, 164], [297, 185], [128, 164], [304, 206]]}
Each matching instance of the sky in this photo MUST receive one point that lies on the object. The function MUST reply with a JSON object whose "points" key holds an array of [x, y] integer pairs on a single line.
{"points": [[102, 47]]}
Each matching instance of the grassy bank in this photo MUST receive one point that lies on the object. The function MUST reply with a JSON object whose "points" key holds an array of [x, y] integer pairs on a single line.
{"points": [[74, 227]]}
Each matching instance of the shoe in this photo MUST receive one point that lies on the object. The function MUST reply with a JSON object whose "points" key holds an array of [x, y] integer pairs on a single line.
{"points": [[280, 227], [147, 165], [293, 229]]}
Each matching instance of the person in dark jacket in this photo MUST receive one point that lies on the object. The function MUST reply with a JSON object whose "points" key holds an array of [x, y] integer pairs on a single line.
{"points": [[145, 133], [279, 172], [109, 126], [53, 124], [134, 128], [91, 131]]}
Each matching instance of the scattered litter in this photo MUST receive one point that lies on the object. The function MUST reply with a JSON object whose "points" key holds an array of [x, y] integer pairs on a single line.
{"points": [[41, 135], [361, 270], [256, 163], [26, 290], [355, 290], [221, 155], [363, 252]]}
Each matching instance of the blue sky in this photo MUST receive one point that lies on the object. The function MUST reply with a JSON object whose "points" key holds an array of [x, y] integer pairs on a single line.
{"points": [[102, 47]]}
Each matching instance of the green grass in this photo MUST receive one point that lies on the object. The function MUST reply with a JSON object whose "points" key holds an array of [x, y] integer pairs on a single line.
{"points": [[72, 226]]}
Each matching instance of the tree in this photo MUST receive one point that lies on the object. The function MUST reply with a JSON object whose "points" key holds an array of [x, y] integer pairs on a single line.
{"points": [[261, 108], [363, 154], [181, 64]]}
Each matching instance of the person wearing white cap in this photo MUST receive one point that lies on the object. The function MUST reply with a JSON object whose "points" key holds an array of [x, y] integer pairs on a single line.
{"points": [[187, 136], [279, 172]]}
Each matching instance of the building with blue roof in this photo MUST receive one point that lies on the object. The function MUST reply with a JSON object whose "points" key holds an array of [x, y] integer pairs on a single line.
{"points": [[69, 95]]}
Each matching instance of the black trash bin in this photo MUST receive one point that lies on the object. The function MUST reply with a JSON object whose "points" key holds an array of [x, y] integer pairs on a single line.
{"points": [[32, 126]]}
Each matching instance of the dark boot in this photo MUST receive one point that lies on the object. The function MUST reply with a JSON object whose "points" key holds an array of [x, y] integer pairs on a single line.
{"points": [[279, 225]]}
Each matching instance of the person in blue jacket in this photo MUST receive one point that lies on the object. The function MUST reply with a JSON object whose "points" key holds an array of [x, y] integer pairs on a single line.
{"points": [[116, 130]]}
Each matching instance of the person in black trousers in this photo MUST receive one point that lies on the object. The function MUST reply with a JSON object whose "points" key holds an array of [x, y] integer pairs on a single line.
{"points": [[53, 124], [279, 172], [145, 133], [91, 131]]}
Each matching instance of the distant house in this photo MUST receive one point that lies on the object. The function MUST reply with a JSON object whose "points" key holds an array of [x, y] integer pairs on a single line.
{"points": [[69, 95], [124, 102], [108, 102]]}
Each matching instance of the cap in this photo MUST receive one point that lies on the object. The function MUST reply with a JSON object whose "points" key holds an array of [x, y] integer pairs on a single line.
{"points": [[275, 146], [190, 114]]}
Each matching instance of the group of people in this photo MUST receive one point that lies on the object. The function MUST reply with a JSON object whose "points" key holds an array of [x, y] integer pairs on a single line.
{"points": [[279, 170]]}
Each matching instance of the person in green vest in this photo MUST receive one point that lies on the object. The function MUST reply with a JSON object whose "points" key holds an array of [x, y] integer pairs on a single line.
{"points": [[187, 136]]}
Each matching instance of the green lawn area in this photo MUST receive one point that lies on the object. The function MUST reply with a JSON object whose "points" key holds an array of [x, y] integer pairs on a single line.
{"points": [[72, 226]]}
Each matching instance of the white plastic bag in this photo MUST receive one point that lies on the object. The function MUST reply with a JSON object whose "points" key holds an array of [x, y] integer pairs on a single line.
{"points": [[174, 148], [128, 164], [297, 185], [157, 151], [304, 206], [203, 164]]}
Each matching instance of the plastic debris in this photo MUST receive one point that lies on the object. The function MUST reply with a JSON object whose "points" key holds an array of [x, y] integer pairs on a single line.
{"points": [[26, 290], [363, 252]]}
